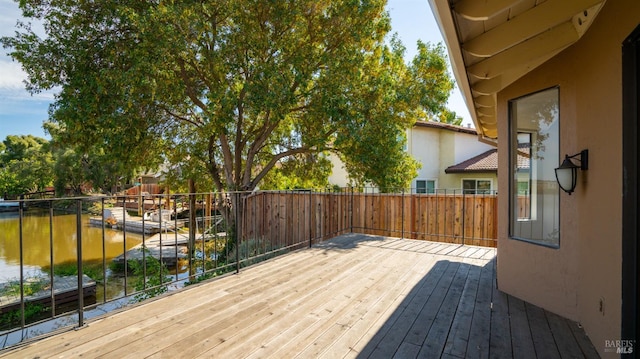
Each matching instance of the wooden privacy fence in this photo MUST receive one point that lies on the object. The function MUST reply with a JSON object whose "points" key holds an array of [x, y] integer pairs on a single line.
{"points": [[290, 218]]}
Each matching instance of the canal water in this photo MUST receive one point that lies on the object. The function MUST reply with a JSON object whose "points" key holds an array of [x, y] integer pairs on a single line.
{"points": [[37, 251]]}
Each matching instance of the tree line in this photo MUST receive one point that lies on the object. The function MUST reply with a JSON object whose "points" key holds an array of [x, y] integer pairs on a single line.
{"points": [[30, 164]]}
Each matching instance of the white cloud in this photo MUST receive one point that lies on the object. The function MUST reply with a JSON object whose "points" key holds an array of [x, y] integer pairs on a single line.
{"points": [[11, 75]]}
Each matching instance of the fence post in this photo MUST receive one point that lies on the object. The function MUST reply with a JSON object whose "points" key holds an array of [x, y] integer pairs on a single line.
{"points": [[311, 216], [464, 211], [402, 211], [79, 254], [351, 224]]}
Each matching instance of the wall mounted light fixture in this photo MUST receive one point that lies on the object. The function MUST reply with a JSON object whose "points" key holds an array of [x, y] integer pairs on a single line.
{"points": [[567, 173]]}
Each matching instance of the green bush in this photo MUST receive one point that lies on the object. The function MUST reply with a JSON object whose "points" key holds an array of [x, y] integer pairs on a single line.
{"points": [[151, 284]]}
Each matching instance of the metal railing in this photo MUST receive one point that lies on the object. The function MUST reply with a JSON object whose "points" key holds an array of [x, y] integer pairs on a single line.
{"points": [[74, 258]]}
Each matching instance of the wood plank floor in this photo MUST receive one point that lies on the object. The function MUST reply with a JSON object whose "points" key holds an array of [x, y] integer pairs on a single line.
{"points": [[353, 296]]}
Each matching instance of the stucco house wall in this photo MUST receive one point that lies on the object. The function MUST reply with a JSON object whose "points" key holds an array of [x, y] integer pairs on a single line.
{"points": [[436, 146], [467, 146], [339, 175], [585, 270], [424, 145], [440, 147]]}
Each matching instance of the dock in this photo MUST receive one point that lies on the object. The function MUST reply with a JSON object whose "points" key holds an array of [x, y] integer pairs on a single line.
{"points": [[9, 206], [118, 218], [65, 293], [167, 247]]}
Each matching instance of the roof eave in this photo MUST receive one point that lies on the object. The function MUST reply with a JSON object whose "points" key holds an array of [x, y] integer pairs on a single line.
{"points": [[442, 13], [503, 41]]}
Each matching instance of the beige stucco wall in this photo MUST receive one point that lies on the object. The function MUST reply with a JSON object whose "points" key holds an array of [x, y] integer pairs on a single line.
{"points": [[339, 175], [571, 280], [424, 145], [437, 149]]}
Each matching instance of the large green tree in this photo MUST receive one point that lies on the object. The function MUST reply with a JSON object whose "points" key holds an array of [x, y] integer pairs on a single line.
{"points": [[26, 165], [232, 88]]}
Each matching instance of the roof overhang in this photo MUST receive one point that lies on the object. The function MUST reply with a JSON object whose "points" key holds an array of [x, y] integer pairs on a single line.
{"points": [[492, 43]]}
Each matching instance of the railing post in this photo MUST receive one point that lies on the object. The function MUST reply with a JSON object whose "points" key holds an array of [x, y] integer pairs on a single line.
{"points": [[160, 256], [51, 269], [21, 245], [124, 245], [192, 228], [237, 231], [104, 251], [79, 254], [175, 228]]}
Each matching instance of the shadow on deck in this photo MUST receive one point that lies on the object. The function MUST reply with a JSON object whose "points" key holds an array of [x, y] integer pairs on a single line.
{"points": [[456, 311]]}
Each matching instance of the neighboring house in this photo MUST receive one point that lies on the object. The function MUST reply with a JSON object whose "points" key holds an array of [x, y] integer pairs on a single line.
{"points": [[339, 176], [549, 79], [438, 146], [484, 167], [477, 174]]}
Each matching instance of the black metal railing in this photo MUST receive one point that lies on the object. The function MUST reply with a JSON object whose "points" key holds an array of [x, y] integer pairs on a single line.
{"points": [[68, 259]]}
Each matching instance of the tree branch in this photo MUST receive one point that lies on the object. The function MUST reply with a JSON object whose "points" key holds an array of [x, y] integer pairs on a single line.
{"points": [[275, 160], [189, 87], [180, 117]]}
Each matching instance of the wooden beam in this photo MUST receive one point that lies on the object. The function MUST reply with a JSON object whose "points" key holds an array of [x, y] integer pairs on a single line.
{"points": [[482, 9], [526, 52], [484, 101], [499, 82], [488, 87], [486, 112], [489, 129], [526, 25]]}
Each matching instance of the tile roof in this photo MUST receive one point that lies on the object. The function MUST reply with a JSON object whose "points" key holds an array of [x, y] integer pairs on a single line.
{"points": [[487, 162]]}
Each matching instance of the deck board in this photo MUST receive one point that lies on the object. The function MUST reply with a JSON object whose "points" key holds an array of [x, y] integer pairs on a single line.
{"points": [[543, 341], [520, 332], [355, 296], [458, 338], [500, 340], [434, 343]]}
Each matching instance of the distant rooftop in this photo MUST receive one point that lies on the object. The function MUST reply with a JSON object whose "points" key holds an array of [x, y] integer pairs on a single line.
{"points": [[446, 126], [486, 162]]}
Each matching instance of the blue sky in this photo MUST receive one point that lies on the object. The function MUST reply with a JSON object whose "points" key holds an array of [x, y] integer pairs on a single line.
{"points": [[22, 113]]}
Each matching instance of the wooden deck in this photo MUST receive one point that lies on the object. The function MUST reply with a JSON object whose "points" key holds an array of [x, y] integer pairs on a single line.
{"points": [[354, 296]]}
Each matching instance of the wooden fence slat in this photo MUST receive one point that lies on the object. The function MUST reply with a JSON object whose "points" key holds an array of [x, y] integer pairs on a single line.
{"points": [[290, 218]]}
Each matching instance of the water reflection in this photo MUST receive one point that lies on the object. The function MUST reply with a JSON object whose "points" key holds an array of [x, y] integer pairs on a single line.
{"points": [[36, 230]]}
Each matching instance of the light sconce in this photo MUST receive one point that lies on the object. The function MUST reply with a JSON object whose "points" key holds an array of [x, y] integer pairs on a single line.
{"points": [[567, 173]]}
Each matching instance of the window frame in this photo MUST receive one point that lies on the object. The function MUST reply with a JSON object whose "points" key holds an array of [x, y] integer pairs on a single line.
{"points": [[476, 190], [426, 188], [533, 183]]}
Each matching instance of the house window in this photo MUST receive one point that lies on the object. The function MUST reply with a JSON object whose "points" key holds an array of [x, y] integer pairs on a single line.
{"points": [[426, 186], [476, 186], [533, 155]]}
